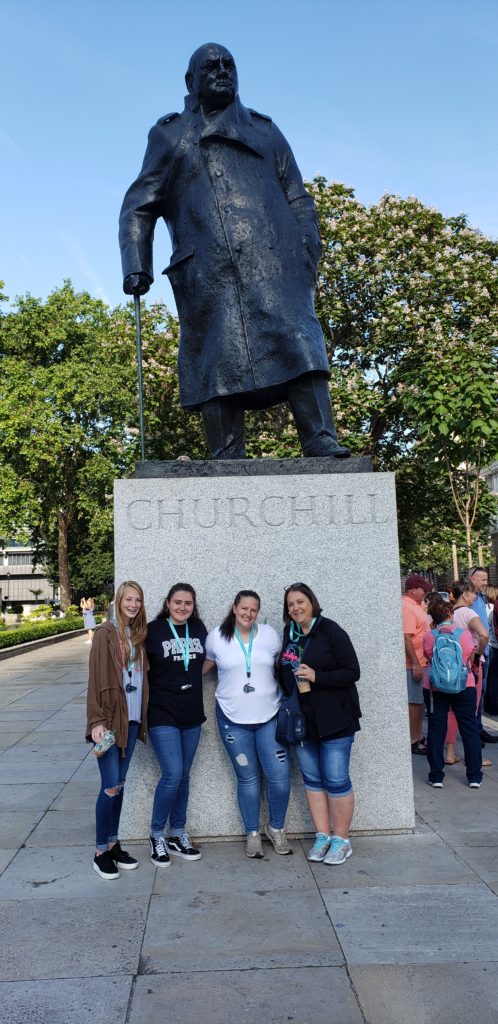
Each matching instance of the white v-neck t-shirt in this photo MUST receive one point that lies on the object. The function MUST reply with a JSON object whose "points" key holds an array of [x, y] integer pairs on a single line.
{"points": [[262, 703]]}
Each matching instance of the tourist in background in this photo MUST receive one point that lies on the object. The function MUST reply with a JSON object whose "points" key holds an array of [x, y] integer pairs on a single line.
{"points": [[491, 695], [463, 704], [87, 605], [415, 624]]}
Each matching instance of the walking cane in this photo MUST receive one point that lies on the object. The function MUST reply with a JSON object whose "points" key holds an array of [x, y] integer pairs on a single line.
{"points": [[138, 333]]}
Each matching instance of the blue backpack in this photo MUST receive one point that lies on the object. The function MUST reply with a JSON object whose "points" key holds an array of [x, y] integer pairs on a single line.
{"points": [[447, 673]]}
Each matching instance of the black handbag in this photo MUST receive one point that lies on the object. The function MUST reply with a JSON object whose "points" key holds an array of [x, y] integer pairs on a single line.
{"points": [[291, 723]]}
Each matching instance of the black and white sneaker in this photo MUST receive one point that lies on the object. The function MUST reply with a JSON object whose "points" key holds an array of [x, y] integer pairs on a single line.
{"points": [[180, 846], [105, 866], [158, 853], [122, 859]]}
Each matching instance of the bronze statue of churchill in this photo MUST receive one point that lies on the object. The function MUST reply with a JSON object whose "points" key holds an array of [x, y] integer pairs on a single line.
{"points": [[243, 268]]}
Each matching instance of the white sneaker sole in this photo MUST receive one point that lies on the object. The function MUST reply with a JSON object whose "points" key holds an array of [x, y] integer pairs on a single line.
{"points": [[335, 863], [102, 874], [184, 856], [127, 867], [156, 863]]}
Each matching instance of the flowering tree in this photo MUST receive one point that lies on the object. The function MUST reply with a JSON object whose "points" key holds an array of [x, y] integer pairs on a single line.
{"points": [[408, 302]]}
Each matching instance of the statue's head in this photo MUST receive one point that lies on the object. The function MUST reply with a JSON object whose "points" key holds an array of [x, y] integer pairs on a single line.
{"points": [[212, 77]]}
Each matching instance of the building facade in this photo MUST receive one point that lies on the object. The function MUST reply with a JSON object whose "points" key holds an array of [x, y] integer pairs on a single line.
{"points": [[21, 580]]}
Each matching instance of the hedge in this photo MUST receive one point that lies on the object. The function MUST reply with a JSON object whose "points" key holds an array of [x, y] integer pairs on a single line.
{"points": [[36, 631]]}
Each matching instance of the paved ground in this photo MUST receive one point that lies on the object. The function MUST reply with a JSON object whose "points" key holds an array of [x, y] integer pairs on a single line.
{"points": [[406, 931]]}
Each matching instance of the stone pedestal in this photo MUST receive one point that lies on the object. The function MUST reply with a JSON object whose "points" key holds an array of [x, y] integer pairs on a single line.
{"points": [[263, 524]]}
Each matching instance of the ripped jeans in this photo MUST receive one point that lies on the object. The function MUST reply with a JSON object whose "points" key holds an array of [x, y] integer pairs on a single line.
{"points": [[113, 768], [252, 748]]}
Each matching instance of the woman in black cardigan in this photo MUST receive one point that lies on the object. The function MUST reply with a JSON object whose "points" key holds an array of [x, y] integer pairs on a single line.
{"points": [[319, 655]]}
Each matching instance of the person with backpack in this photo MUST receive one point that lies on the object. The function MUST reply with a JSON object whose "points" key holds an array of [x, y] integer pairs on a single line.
{"points": [[450, 684]]}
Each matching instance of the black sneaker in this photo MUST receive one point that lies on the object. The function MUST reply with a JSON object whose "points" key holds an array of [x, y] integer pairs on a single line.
{"points": [[123, 859], [105, 866], [180, 846], [158, 853]]}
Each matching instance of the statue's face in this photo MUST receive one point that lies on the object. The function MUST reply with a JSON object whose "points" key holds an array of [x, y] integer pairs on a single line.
{"points": [[214, 77]]}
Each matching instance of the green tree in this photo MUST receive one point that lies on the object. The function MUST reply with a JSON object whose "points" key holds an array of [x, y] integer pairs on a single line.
{"points": [[67, 408], [408, 302]]}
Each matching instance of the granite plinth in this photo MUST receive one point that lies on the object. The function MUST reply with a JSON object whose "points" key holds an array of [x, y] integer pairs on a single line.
{"points": [[227, 531]]}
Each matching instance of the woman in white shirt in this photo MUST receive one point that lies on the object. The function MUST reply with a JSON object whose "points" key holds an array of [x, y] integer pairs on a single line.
{"points": [[247, 700]]}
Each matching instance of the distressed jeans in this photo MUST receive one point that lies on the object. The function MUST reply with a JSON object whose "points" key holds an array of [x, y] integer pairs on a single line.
{"points": [[252, 749], [113, 768]]}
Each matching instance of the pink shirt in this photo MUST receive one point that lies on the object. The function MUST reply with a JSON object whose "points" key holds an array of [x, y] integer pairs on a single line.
{"points": [[415, 623], [461, 617], [466, 643]]}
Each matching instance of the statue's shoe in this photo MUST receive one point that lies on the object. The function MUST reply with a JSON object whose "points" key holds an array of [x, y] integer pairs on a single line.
{"points": [[331, 449]]}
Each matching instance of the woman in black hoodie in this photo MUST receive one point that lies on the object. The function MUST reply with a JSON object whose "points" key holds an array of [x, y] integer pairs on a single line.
{"points": [[320, 657]]}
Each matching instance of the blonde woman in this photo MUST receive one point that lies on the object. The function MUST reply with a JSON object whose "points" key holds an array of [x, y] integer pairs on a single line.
{"points": [[117, 702], [87, 605]]}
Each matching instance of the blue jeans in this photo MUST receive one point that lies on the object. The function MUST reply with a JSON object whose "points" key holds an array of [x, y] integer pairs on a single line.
{"points": [[324, 765], [113, 769], [175, 750], [252, 748], [464, 706]]}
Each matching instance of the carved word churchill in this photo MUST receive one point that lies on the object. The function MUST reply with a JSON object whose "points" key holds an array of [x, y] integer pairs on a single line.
{"points": [[273, 510]]}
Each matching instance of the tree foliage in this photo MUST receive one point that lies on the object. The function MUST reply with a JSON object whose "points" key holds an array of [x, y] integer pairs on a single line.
{"points": [[408, 302]]}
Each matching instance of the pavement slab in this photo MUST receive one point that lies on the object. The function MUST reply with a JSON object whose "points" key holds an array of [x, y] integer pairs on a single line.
{"points": [[19, 796], [273, 996], [445, 994], [42, 738], [15, 827], [54, 752], [70, 938], [403, 932], [401, 860], [5, 859], [65, 828], [35, 771], [82, 793], [9, 739], [27, 716], [66, 1001], [416, 925], [225, 869], [51, 873], [216, 931]]}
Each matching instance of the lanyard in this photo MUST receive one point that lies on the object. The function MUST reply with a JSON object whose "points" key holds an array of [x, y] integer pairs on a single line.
{"points": [[184, 645], [247, 651], [299, 634]]}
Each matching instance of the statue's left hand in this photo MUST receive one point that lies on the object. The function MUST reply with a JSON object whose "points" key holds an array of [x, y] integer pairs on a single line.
{"points": [[136, 284]]}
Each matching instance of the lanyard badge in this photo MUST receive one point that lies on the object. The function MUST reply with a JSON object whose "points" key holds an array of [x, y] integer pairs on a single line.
{"points": [[247, 652]]}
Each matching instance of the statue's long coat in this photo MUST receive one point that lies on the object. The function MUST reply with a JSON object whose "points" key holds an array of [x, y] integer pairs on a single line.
{"points": [[245, 250]]}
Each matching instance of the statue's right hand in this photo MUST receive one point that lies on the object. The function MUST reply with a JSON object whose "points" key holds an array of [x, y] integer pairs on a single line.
{"points": [[136, 284]]}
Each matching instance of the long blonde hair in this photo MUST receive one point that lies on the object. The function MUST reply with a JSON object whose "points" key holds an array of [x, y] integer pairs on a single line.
{"points": [[137, 627]]}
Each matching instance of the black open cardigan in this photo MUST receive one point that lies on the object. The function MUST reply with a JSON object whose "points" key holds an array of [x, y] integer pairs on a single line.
{"points": [[333, 695]]}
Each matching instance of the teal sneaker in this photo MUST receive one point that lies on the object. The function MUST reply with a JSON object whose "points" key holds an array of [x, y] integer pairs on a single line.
{"points": [[340, 850], [320, 847]]}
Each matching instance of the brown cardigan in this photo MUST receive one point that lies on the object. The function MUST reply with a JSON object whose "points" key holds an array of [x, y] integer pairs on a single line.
{"points": [[106, 700]]}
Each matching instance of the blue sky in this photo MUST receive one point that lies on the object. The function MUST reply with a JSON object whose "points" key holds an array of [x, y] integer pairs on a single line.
{"points": [[382, 95]]}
